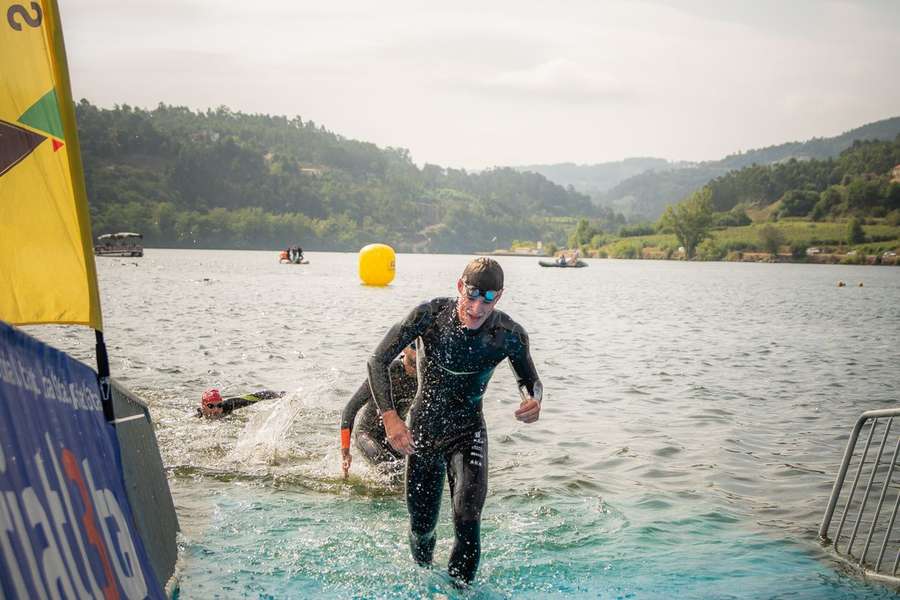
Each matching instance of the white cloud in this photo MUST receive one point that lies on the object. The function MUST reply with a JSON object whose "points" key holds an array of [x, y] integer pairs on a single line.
{"points": [[560, 80], [477, 84]]}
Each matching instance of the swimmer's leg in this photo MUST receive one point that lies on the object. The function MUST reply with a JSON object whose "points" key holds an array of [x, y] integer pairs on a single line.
{"points": [[467, 469], [424, 486]]}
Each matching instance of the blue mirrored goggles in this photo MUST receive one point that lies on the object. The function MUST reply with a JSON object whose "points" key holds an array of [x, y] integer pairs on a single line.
{"points": [[486, 296]]}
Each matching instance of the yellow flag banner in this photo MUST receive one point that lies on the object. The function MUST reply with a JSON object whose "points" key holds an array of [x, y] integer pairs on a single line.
{"points": [[47, 272]]}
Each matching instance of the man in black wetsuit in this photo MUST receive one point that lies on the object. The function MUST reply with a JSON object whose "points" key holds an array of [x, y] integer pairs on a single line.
{"points": [[212, 405], [370, 437], [460, 342]]}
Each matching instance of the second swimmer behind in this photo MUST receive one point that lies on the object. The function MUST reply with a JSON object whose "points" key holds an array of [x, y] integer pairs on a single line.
{"points": [[212, 404], [369, 436]]}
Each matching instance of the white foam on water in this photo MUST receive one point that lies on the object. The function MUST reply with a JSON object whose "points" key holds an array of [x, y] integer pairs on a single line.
{"points": [[298, 435], [266, 435]]}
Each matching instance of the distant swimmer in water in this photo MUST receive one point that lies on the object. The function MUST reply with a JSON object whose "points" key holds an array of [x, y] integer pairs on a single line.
{"points": [[369, 436], [460, 342], [212, 405]]}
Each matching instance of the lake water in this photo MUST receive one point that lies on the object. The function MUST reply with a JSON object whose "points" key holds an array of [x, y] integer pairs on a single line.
{"points": [[693, 421]]}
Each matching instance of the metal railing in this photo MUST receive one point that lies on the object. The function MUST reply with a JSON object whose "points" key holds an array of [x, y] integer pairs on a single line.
{"points": [[862, 519]]}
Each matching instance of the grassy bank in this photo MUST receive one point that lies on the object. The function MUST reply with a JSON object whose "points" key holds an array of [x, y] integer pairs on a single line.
{"points": [[801, 241]]}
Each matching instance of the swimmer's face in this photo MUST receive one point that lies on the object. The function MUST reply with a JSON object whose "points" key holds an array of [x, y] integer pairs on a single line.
{"points": [[473, 312], [211, 410]]}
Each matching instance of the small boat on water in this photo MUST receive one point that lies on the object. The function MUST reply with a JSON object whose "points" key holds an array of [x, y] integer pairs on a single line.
{"points": [[565, 265], [292, 256], [125, 243]]}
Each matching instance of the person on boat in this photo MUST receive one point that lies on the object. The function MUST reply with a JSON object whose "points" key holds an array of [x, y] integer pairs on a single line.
{"points": [[369, 436], [460, 341], [573, 258], [212, 404], [561, 261], [295, 254]]}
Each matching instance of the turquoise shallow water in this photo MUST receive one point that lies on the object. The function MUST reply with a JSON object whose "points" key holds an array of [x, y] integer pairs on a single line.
{"points": [[694, 417], [306, 545]]}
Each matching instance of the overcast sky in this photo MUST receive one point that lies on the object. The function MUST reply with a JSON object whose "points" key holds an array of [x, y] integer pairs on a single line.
{"points": [[480, 84]]}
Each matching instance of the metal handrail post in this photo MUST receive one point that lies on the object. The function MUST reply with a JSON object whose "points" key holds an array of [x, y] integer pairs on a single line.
{"points": [[842, 473]]}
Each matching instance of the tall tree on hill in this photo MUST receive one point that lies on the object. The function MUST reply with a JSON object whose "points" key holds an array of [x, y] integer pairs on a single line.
{"points": [[855, 233], [582, 234], [771, 238], [690, 220]]}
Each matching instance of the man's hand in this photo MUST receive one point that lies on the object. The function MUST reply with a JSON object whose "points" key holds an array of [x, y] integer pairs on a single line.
{"points": [[398, 435], [346, 459], [529, 411]]}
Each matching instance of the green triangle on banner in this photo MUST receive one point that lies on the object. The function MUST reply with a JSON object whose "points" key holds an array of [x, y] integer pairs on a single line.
{"points": [[44, 115]]}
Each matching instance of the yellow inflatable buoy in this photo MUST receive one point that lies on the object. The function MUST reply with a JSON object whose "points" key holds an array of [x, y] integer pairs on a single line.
{"points": [[377, 264]]}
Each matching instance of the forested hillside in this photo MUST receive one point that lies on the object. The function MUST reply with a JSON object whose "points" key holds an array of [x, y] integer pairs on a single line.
{"points": [[846, 208], [644, 197], [224, 179], [859, 182]]}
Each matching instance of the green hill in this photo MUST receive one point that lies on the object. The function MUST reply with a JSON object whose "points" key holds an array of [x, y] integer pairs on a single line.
{"points": [[225, 179], [859, 182], [850, 203], [644, 196]]}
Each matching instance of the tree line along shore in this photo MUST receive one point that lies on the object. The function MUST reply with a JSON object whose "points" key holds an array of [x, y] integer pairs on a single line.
{"points": [[224, 179], [844, 210], [792, 240]]}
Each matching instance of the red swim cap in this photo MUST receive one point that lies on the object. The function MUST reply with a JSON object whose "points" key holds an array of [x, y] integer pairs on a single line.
{"points": [[210, 397]]}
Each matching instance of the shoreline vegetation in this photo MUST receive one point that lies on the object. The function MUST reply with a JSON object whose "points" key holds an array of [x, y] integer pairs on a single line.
{"points": [[789, 241], [831, 258], [843, 210], [224, 179]]}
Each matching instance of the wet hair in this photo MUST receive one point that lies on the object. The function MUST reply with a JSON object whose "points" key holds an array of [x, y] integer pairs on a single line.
{"points": [[484, 273]]}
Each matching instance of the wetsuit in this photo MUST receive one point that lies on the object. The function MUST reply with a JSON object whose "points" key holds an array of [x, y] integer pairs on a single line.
{"points": [[229, 405], [455, 365], [370, 437]]}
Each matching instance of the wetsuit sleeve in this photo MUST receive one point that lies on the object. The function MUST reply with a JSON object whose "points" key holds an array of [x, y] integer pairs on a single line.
{"points": [[266, 395], [523, 366], [357, 401], [229, 405], [397, 338]]}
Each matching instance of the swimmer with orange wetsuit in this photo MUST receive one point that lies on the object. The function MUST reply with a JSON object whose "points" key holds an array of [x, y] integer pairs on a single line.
{"points": [[368, 434]]}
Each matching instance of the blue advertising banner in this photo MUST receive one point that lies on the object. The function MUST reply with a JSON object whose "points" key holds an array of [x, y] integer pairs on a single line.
{"points": [[66, 528]]}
